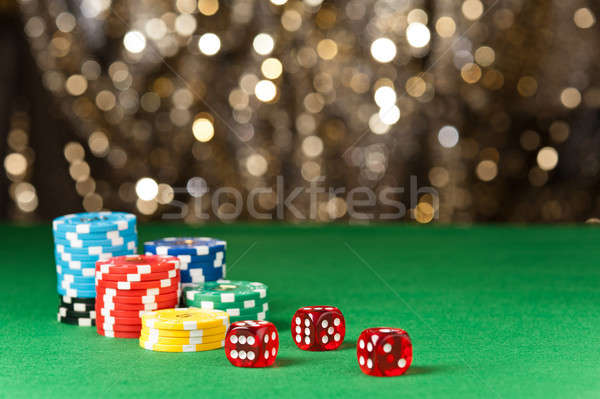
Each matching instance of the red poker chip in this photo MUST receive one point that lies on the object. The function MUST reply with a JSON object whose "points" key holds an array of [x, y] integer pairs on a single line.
{"points": [[136, 306], [138, 264], [118, 321], [136, 293], [134, 277], [118, 327], [139, 285], [118, 334], [138, 300], [121, 313]]}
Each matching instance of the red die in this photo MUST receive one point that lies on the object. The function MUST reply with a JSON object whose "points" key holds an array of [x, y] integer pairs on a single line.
{"points": [[384, 351], [318, 328], [252, 343]]}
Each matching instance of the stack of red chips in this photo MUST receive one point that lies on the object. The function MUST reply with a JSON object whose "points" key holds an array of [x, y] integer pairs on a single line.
{"points": [[127, 286]]}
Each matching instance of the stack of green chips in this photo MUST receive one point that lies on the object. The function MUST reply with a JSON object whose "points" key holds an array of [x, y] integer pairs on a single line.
{"points": [[242, 300]]}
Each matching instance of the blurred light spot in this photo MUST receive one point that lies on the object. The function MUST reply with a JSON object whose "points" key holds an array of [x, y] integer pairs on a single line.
{"points": [[584, 18], [208, 7], [385, 96], [197, 187], [156, 28], [445, 27], [547, 158], [79, 170], [527, 86], [203, 130], [185, 24], [417, 35], [98, 143], [471, 73], [485, 56], [314, 102], [165, 194], [15, 164], [265, 90], [486, 170], [291, 20], [263, 44], [313, 3], [271, 68], [105, 100], [65, 22], [209, 44], [35, 27], [278, 2], [74, 152], [416, 86], [389, 115], [439, 176], [448, 136], [472, 9], [537, 177], [570, 97], [256, 165], [146, 207], [424, 212], [134, 42], [76, 85], [312, 146], [146, 188], [327, 49], [185, 6], [417, 15], [238, 99], [377, 126], [383, 50]]}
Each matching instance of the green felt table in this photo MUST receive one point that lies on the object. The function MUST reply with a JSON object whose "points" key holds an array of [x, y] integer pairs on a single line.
{"points": [[492, 312]]}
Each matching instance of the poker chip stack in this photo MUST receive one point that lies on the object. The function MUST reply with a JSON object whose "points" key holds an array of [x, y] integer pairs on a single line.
{"points": [[79, 241], [184, 330], [201, 259], [128, 286], [242, 300]]}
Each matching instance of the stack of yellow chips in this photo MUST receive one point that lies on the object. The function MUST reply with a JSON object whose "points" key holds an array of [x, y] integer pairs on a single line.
{"points": [[184, 330]]}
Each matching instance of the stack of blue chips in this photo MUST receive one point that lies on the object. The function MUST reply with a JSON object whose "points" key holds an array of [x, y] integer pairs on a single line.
{"points": [[82, 239], [201, 258]]}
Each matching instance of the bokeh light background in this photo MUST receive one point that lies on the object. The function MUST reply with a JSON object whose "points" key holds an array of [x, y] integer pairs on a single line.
{"points": [[494, 103]]}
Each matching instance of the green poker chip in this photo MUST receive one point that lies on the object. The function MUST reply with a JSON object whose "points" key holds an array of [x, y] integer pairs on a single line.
{"points": [[245, 306], [224, 292], [250, 316]]}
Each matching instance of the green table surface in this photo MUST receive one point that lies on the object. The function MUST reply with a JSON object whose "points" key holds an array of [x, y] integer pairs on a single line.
{"points": [[492, 312]]}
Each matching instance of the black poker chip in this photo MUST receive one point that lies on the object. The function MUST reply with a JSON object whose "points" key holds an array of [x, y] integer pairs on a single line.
{"points": [[78, 321]]}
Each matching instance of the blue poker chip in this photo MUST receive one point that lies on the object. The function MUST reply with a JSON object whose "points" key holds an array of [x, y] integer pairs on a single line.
{"points": [[75, 279], [73, 293], [101, 236], [197, 276], [210, 258], [79, 287], [66, 257], [95, 249], [115, 242], [76, 267], [185, 246], [204, 266], [93, 222]]}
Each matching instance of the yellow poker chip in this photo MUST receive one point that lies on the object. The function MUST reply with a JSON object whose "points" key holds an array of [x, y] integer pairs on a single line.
{"points": [[153, 332], [185, 319], [181, 348], [182, 340]]}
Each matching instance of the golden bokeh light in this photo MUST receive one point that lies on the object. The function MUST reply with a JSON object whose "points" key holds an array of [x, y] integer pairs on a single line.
{"points": [[271, 68], [203, 129]]}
